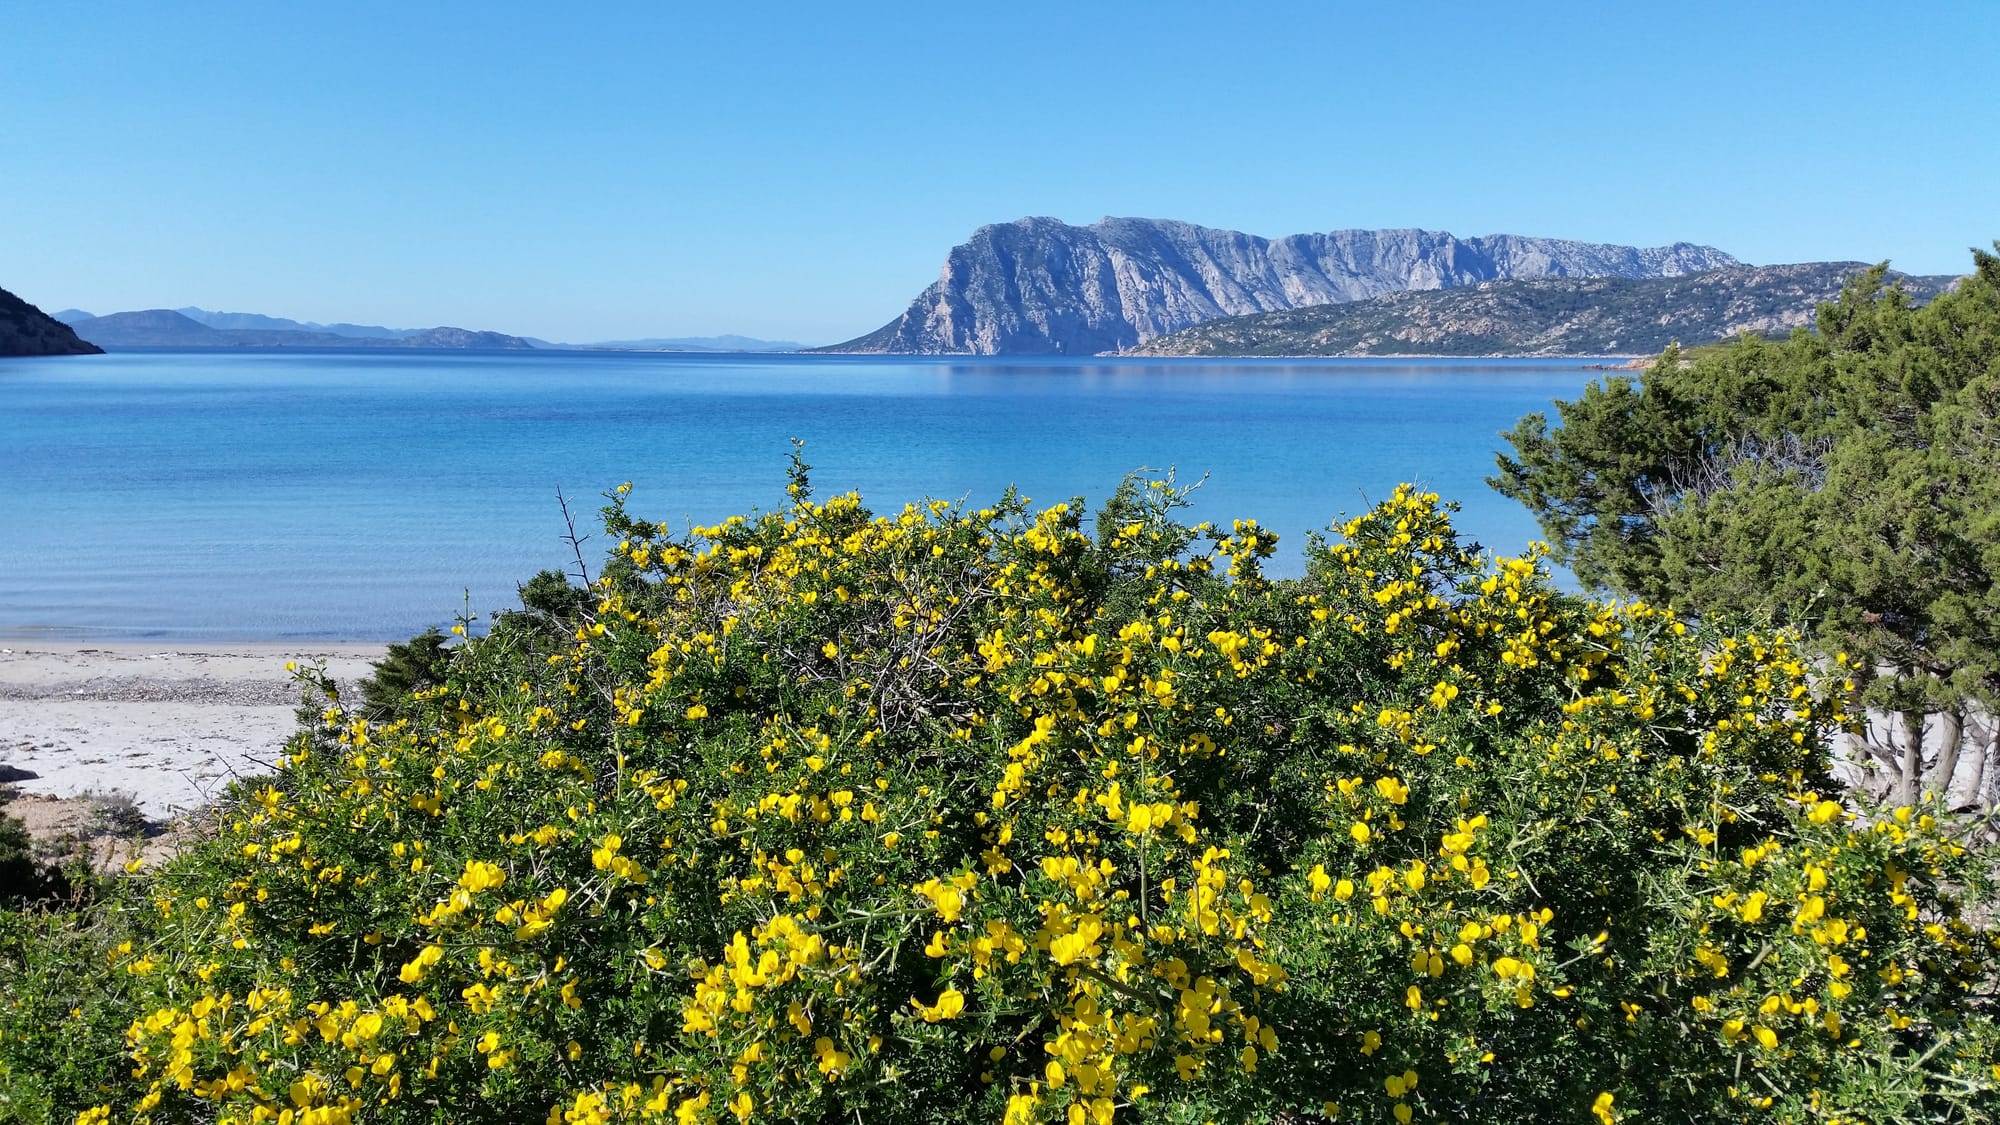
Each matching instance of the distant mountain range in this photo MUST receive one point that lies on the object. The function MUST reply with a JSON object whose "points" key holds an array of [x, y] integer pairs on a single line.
{"points": [[27, 330], [258, 322], [1547, 316], [1039, 286], [166, 328], [203, 328]]}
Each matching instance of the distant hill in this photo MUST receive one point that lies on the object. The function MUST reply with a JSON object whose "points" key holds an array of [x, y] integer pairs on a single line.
{"points": [[1041, 286], [148, 329], [27, 330], [698, 344], [1549, 316], [260, 322], [166, 328]]}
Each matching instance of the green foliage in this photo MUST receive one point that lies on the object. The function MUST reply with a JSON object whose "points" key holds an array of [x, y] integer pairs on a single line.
{"points": [[1844, 481], [67, 994], [409, 667], [960, 814], [25, 877], [20, 875]]}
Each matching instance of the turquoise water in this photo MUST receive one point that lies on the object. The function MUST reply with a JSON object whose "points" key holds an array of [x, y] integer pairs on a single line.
{"points": [[364, 496]]}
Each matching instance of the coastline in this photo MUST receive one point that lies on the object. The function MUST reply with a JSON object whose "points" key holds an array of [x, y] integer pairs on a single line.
{"points": [[165, 724]]}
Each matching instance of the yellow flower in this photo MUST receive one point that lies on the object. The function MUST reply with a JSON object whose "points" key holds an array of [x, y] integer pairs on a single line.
{"points": [[1080, 943], [480, 875], [949, 1004], [1752, 909], [947, 899]]}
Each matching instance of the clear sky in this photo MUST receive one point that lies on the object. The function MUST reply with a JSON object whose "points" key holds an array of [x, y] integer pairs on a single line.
{"points": [[597, 170]]}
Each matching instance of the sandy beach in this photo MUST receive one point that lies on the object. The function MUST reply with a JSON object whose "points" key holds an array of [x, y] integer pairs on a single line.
{"points": [[167, 725]]}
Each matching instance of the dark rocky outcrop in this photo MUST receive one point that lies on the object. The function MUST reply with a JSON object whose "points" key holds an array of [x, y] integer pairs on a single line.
{"points": [[1551, 316], [1041, 286], [27, 330]]}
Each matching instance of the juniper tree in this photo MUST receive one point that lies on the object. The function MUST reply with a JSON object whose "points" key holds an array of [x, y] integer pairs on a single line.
{"points": [[1845, 480]]}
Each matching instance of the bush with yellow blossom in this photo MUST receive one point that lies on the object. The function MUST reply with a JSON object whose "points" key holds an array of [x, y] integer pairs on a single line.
{"points": [[998, 815]]}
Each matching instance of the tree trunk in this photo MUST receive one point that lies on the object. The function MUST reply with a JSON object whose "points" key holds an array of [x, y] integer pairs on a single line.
{"points": [[1910, 783], [1982, 759], [1951, 733], [1858, 765]]}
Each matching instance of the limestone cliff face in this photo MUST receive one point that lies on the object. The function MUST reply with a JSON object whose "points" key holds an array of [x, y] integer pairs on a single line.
{"points": [[27, 330], [1041, 286]]}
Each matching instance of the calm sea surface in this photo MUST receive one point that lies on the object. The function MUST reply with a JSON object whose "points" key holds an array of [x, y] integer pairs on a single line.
{"points": [[363, 496]]}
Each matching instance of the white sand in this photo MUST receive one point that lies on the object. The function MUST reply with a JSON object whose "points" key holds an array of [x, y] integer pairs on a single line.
{"points": [[168, 725]]}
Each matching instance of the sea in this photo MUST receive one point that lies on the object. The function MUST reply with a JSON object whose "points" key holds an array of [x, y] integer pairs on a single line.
{"points": [[287, 495]]}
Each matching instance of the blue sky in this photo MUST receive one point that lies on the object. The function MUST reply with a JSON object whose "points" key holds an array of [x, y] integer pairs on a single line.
{"points": [[798, 171]]}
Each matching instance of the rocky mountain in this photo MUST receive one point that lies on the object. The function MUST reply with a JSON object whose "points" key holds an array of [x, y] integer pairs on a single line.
{"points": [[166, 328], [1549, 316], [27, 330], [1041, 286]]}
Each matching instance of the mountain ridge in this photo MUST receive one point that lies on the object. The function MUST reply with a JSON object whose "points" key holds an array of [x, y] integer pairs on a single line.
{"points": [[169, 328], [260, 322], [1041, 286], [127, 332]]}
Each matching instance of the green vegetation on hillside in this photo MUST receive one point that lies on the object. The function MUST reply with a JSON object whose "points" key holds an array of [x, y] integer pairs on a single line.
{"points": [[953, 815], [1844, 481], [1544, 316]]}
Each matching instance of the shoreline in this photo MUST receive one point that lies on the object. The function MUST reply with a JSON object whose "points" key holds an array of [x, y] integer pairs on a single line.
{"points": [[166, 723]]}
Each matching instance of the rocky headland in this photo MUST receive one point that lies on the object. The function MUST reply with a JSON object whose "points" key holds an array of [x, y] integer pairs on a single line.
{"points": [[1039, 286], [27, 330]]}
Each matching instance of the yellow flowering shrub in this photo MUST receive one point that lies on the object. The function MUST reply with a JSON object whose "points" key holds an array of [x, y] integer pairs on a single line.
{"points": [[995, 814]]}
